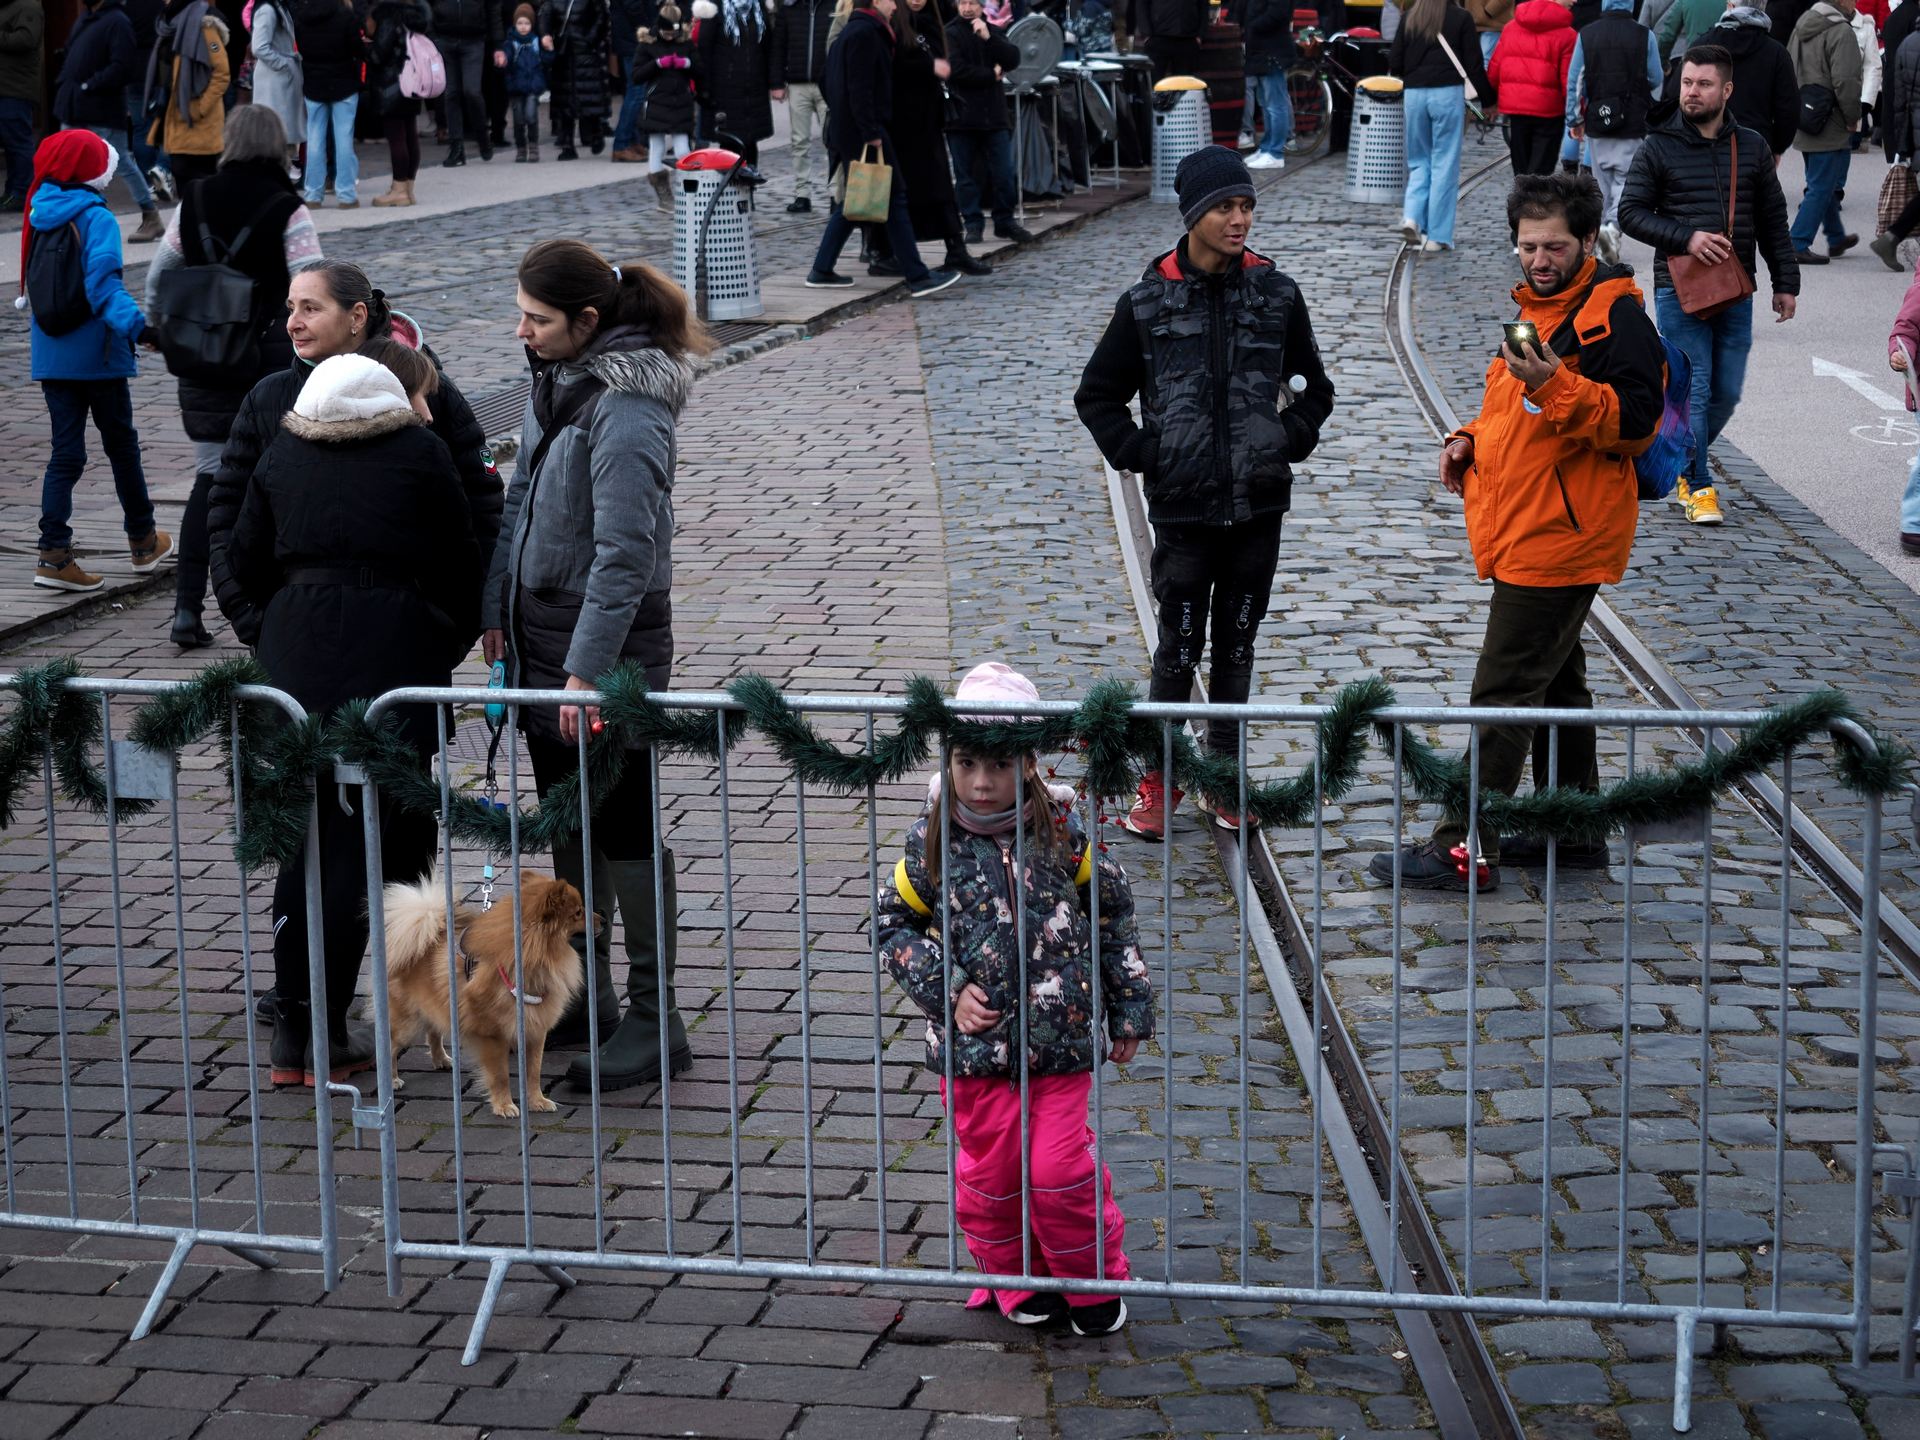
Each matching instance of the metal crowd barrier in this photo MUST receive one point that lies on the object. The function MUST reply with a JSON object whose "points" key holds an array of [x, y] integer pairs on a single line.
{"points": [[58, 1177], [932, 1258], [56, 1180]]}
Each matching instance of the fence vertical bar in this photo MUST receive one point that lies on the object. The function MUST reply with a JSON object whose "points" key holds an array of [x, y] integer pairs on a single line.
{"points": [[1316, 1093], [1017, 897], [1392, 1159], [873, 955], [1626, 1038], [1473, 986], [246, 952], [1244, 882], [1547, 967], [60, 999], [180, 954], [1706, 1041], [120, 976], [806, 1002], [376, 868], [1166, 925], [733, 1004], [322, 1042], [661, 920], [1780, 1024], [455, 1095], [1863, 1119], [941, 928], [1097, 1020], [593, 989], [520, 969]]}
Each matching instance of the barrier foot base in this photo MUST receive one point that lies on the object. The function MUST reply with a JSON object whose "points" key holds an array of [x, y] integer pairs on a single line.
{"points": [[1683, 1328], [558, 1276], [155, 1301], [483, 1317], [264, 1259]]}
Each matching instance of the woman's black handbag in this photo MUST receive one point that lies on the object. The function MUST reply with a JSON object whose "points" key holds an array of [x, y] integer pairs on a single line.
{"points": [[1816, 108], [203, 314]]}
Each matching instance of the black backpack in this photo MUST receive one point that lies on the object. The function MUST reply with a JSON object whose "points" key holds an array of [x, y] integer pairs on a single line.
{"points": [[203, 314], [57, 280]]}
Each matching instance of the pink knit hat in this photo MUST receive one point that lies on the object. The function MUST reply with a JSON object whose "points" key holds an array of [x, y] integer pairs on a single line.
{"points": [[994, 681]]}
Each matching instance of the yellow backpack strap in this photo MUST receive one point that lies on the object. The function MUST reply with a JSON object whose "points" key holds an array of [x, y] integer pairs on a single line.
{"points": [[905, 887], [1085, 872]]}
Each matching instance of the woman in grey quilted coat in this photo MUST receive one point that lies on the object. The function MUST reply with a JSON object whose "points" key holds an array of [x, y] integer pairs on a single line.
{"points": [[581, 581]]}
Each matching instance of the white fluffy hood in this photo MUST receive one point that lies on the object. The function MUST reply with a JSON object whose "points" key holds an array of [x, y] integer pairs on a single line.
{"points": [[350, 387]]}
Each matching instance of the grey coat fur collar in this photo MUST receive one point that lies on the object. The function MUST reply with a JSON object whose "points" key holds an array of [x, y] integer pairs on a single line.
{"points": [[338, 432], [627, 362]]}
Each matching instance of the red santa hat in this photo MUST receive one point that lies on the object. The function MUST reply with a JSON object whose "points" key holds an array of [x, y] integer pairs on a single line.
{"points": [[67, 157]]}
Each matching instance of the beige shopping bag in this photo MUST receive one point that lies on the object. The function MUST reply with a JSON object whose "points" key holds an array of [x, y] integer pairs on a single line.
{"points": [[869, 186]]}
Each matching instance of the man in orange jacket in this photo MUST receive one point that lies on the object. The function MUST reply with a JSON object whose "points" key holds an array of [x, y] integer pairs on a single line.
{"points": [[1546, 470]]}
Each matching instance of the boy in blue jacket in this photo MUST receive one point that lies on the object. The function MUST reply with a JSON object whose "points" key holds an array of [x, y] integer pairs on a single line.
{"points": [[526, 65], [84, 367]]}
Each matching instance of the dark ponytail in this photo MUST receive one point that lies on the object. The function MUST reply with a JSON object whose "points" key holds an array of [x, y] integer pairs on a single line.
{"points": [[572, 277], [349, 286]]}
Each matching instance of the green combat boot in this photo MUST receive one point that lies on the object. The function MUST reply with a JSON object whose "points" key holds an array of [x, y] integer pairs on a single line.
{"points": [[570, 1032], [632, 1056]]}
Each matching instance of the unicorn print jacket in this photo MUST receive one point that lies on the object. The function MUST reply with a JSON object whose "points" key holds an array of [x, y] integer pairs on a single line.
{"points": [[1058, 896]]}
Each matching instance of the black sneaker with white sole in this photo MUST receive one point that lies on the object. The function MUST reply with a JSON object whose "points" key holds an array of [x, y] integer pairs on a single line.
{"points": [[932, 281], [1039, 1309], [827, 280], [1102, 1319]]}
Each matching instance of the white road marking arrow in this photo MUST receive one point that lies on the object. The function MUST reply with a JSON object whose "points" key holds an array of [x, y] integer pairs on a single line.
{"points": [[1859, 384]]}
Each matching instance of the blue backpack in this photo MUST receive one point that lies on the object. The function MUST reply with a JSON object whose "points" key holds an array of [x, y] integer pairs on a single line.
{"points": [[1659, 467]]}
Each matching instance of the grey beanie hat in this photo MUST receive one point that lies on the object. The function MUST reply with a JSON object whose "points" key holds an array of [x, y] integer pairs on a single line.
{"points": [[1206, 177]]}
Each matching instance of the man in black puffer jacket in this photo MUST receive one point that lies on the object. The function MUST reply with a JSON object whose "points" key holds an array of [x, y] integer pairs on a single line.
{"points": [[980, 131], [1217, 344], [1766, 96], [1676, 200], [259, 421], [467, 33]]}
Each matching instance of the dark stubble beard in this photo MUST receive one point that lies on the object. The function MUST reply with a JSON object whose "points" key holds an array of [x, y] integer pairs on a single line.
{"points": [[1706, 117], [1562, 278]]}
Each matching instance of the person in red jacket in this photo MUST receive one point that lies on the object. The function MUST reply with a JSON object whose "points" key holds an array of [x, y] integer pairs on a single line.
{"points": [[1529, 72]]}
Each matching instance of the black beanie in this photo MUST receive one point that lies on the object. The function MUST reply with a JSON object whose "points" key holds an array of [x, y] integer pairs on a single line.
{"points": [[1206, 177]]}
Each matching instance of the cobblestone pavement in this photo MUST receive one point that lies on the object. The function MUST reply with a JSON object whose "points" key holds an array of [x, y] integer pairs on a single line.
{"points": [[912, 492], [793, 506]]}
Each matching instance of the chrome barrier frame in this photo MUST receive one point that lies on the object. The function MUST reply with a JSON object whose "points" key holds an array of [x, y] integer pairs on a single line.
{"points": [[133, 772], [556, 1262]]}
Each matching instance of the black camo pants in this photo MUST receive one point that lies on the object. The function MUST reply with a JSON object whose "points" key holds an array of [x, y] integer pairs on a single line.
{"points": [[1219, 576]]}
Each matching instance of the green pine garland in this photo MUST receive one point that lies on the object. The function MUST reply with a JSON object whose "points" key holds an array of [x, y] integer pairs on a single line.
{"points": [[278, 761]]}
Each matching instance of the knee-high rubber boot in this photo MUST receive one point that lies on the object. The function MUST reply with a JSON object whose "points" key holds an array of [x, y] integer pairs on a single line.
{"points": [[570, 1032], [632, 1056]]}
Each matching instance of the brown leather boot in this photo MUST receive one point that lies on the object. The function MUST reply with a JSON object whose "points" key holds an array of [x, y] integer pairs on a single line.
{"points": [[396, 194], [151, 227]]}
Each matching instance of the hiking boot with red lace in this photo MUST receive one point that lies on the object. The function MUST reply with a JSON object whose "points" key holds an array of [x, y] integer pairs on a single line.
{"points": [[1151, 808], [1429, 866]]}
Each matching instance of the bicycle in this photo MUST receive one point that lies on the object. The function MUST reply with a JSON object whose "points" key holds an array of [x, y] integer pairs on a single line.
{"points": [[1310, 93]]}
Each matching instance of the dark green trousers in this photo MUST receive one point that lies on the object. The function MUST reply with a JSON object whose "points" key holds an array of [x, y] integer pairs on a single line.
{"points": [[1532, 657]]}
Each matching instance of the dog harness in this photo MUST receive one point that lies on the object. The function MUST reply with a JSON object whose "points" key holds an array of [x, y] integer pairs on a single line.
{"points": [[467, 962]]}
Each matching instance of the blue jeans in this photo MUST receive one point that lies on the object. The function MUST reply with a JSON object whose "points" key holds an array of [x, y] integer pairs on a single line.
{"points": [[145, 155], [994, 149], [111, 402], [1277, 107], [128, 171], [1436, 120], [336, 115], [627, 133], [1716, 349], [16, 139], [1819, 207], [1488, 39], [899, 229], [1910, 502]]}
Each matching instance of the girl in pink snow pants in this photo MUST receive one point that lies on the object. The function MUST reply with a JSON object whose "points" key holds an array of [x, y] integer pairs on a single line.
{"points": [[973, 965]]}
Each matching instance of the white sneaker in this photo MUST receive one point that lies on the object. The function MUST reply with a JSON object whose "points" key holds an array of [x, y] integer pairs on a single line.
{"points": [[1432, 247], [1244, 141], [1260, 160], [1409, 231]]}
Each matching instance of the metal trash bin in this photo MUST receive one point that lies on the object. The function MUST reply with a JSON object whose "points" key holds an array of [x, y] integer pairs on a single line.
{"points": [[1377, 158], [732, 278], [1182, 124]]}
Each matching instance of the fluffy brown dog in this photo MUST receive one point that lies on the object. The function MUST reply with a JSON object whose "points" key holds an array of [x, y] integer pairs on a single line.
{"points": [[551, 914]]}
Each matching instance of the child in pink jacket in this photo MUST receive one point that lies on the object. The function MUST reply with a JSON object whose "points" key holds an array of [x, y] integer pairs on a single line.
{"points": [[1903, 345]]}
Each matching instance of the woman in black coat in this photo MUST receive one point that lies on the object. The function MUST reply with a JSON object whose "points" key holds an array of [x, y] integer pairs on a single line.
{"points": [[734, 70], [920, 73], [354, 542], [249, 199], [390, 21], [577, 77]]}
